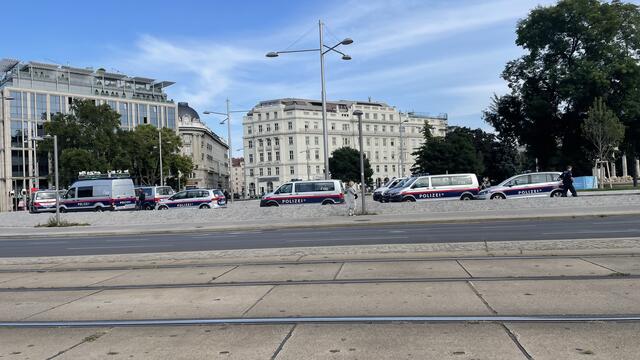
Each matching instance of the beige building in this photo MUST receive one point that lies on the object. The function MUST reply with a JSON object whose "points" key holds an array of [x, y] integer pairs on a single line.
{"points": [[283, 139], [207, 150], [237, 174], [31, 92]]}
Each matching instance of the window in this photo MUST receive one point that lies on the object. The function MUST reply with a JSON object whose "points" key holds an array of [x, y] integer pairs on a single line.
{"points": [[377, 141], [277, 171], [439, 181], [259, 128], [269, 156], [268, 171], [421, 183], [277, 155], [290, 154], [462, 180], [538, 178], [290, 125], [366, 116], [85, 191], [261, 157], [520, 180], [393, 168], [250, 172], [275, 115], [375, 116], [276, 141], [259, 116], [317, 154], [268, 127], [316, 140], [383, 116], [306, 126], [41, 106], [375, 128], [124, 114], [384, 128], [285, 189], [386, 168], [154, 115], [377, 168], [250, 144], [317, 169], [391, 142], [384, 140], [250, 158], [249, 129], [275, 126], [142, 114], [315, 125], [292, 170], [368, 141], [390, 116], [266, 116], [390, 128], [333, 126], [290, 140], [54, 104], [334, 141], [260, 143], [367, 128], [377, 156], [306, 140], [268, 142], [552, 177], [261, 171]]}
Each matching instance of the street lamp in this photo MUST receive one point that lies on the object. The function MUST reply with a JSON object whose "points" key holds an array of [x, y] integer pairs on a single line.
{"points": [[228, 120], [401, 129], [55, 160], [322, 51], [308, 156], [358, 113], [160, 151]]}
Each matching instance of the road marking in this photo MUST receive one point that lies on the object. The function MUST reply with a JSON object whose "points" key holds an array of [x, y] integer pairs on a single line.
{"points": [[396, 231], [117, 247], [127, 240], [348, 239], [573, 232]]}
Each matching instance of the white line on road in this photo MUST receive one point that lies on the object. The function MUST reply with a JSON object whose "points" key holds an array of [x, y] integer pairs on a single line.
{"points": [[117, 247], [348, 239], [127, 240], [573, 232]]}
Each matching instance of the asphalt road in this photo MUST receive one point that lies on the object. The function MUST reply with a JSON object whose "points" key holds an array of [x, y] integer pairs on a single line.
{"points": [[580, 228]]}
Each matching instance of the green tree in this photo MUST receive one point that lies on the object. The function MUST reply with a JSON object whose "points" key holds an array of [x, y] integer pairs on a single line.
{"points": [[603, 130], [575, 51], [344, 164], [453, 153]]}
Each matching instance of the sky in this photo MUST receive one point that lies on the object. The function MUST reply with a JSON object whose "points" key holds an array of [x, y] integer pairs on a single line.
{"points": [[431, 56]]}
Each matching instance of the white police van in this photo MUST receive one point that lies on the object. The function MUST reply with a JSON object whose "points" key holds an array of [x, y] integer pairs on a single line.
{"points": [[100, 192], [325, 192], [436, 187], [537, 184], [378, 194]]}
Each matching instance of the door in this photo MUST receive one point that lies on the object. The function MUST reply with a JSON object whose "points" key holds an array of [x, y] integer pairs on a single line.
{"points": [[519, 186], [421, 189], [283, 194]]}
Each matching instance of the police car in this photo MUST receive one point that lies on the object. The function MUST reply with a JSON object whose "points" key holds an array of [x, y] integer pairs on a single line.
{"points": [[436, 187], [537, 184], [194, 198], [378, 194], [43, 201], [152, 195], [325, 192]]}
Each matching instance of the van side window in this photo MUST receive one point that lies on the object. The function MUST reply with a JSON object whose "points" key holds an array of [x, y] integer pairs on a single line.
{"points": [[192, 194], [552, 177], [324, 186], [180, 195], [285, 189], [421, 183], [203, 193], [70, 194], [85, 191], [438, 181], [538, 178], [304, 187], [520, 180], [461, 180]]}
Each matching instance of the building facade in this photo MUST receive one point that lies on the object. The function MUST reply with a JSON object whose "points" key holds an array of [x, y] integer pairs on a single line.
{"points": [[283, 139], [237, 173], [31, 92], [207, 150]]}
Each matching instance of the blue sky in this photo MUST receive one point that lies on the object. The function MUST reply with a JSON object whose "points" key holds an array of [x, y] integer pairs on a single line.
{"points": [[434, 56]]}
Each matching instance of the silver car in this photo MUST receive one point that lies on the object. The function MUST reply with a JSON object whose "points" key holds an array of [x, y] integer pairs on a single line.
{"points": [[539, 184]]}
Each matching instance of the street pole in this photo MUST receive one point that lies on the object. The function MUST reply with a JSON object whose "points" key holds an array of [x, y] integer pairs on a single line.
{"points": [[55, 159], [325, 129], [308, 170], [363, 185], [160, 149], [401, 149], [230, 150]]}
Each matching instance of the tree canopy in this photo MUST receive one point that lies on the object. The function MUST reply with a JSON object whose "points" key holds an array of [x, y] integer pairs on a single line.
{"points": [[90, 139], [344, 164], [603, 130], [575, 51]]}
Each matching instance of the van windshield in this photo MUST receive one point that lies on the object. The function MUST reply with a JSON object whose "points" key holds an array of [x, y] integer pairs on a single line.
{"points": [[404, 182], [45, 196]]}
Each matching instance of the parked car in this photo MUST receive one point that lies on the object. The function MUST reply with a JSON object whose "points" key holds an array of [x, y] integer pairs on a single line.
{"points": [[378, 194], [386, 196], [437, 187], [152, 196], [195, 198], [43, 201], [99, 195], [537, 184], [325, 192]]}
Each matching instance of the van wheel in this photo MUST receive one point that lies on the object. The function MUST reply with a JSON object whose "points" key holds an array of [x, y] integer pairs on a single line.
{"points": [[272, 204], [556, 193], [62, 210], [163, 207], [497, 197], [328, 202], [147, 207], [466, 197], [204, 206], [98, 209], [408, 199]]}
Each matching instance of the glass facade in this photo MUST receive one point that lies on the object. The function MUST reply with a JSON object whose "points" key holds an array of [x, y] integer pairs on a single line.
{"points": [[41, 106], [153, 110], [54, 104], [171, 118], [142, 114], [124, 114]]}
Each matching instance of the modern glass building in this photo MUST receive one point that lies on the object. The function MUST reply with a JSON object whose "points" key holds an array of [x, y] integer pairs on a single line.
{"points": [[31, 92]]}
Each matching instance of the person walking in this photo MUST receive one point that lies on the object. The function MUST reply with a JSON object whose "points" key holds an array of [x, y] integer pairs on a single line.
{"points": [[351, 194], [567, 182]]}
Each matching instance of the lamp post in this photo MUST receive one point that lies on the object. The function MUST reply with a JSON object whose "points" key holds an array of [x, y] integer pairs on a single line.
{"points": [[228, 120], [401, 129], [322, 51], [55, 161], [4, 100], [160, 151], [358, 113]]}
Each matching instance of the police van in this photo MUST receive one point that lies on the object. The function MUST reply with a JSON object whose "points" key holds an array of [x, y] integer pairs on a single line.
{"points": [[539, 184], [325, 192], [378, 194], [98, 192], [437, 187]]}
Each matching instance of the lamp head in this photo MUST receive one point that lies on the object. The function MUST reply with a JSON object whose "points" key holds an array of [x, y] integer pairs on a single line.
{"points": [[358, 113], [346, 57], [346, 41], [272, 54]]}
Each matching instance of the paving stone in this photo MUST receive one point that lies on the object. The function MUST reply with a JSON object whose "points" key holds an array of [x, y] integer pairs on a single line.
{"points": [[195, 275], [284, 272], [401, 269], [61, 279], [531, 267], [622, 264], [41, 343], [20, 305]]}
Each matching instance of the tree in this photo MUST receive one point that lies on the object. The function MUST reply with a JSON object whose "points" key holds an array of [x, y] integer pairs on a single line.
{"points": [[344, 164], [603, 130], [575, 51], [453, 153]]}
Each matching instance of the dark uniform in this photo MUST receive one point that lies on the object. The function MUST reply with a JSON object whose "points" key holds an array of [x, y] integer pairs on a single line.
{"points": [[567, 184]]}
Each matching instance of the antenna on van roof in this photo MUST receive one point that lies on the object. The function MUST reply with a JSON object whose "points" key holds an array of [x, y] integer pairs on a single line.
{"points": [[113, 174]]}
